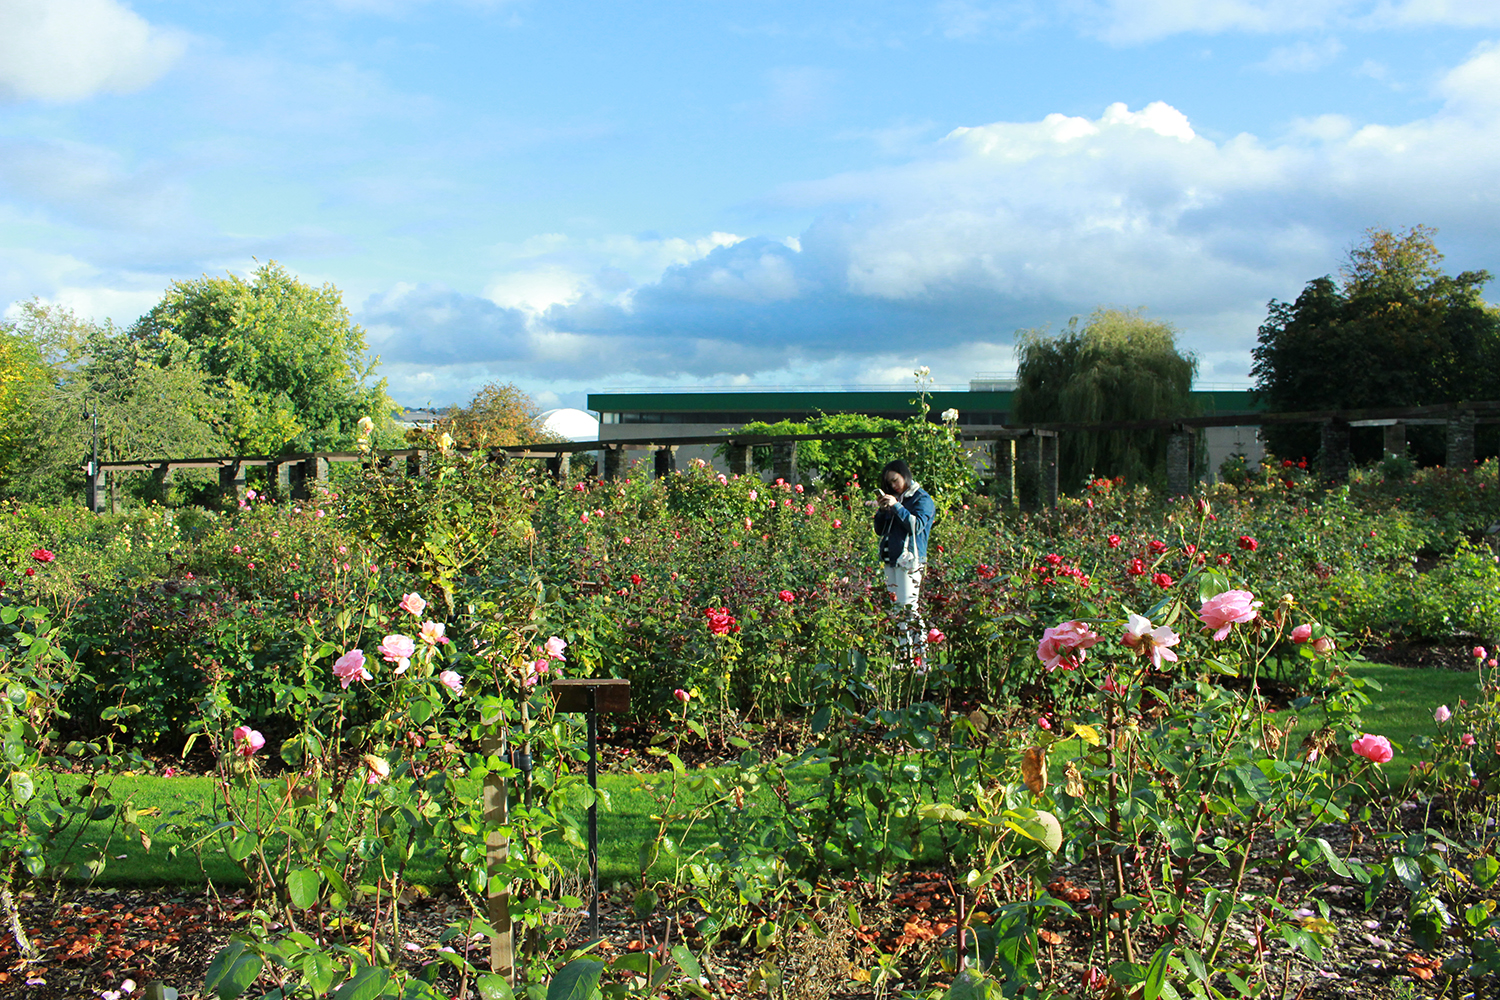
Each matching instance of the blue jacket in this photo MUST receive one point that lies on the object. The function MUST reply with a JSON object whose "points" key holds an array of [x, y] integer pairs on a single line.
{"points": [[913, 514]]}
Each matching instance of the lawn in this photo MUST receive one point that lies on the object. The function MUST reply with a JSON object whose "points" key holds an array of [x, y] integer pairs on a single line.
{"points": [[1401, 709]]}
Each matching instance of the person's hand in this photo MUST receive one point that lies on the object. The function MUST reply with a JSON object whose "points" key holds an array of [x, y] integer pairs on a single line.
{"points": [[886, 500]]}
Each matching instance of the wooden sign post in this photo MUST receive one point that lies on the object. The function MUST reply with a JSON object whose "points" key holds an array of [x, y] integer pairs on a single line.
{"points": [[592, 696]]}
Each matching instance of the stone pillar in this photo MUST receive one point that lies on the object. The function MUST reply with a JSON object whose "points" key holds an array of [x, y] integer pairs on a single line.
{"points": [[232, 481], [1179, 462], [97, 488], [1005, 470], [1395, 440], [1460, 440], [161, 475], [1049, 469], [281, 476], [1029, 472], [665, 461], [1335, 460], [305, 473], [784, 460], [416, 464], [558, 466], [741, 458], [614, 463]]}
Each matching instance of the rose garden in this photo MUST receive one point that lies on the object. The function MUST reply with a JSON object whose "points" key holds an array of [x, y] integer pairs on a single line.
{"points": [[1240, 743]]}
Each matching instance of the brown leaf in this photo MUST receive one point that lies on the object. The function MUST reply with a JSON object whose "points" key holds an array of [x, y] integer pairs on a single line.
{"points": [[1074, 781], [1034, 769]]}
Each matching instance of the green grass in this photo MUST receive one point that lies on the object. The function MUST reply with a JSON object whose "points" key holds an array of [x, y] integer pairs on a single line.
{"points": [[1402, 709]]}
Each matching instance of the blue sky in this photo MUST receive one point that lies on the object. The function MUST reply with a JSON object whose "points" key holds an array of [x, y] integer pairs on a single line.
{"points": [[583, 196]]}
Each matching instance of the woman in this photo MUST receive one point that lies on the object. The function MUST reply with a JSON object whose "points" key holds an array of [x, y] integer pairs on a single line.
{"points": [[903, 520]]}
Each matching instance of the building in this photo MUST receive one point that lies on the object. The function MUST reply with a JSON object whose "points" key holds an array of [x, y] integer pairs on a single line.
{"points": [[662, 416]]}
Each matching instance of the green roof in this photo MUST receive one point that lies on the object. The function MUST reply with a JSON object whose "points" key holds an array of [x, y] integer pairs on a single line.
{"points": [[790, 404]]}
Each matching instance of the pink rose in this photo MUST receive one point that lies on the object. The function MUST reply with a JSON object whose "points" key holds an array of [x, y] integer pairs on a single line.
{"points": [[398, 649], [1148, 641], [247, 741], [1302, 633], [681, 695], [1374, 748], [1064, 645], [452, 681], [555, 647], [434, 633], [1044, 722], [377, 769], [1442, 714], [351, 667], [1467, 739], [754, 495], [1226, 609], [413, 605], [933, 635], [1479, 653], [1324, 644]]}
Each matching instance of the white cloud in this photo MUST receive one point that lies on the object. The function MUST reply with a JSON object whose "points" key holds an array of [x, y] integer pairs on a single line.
{"points": [[69, 50], [1301, 56]]}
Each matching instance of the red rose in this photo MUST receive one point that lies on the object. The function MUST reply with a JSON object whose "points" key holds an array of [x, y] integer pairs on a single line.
{"points": [[1157, 546], [720, 621], [1247, 543], [43, 555], [635, 579], [1114, 541], [1136, 567], [1162, 580], [787, 596]]}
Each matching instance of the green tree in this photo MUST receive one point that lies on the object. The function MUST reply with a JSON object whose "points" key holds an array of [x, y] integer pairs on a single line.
{"points": [[286, 360], [1395, 331], [500, 415], [838, 463], [1118, 366], [56, 367]]}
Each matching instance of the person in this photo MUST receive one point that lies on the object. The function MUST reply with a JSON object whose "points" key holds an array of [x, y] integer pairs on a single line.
{"points": [[903, 520]]}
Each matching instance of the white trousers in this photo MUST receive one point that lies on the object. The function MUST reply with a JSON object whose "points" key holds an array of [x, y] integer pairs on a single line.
{"points": [[905, 587]]}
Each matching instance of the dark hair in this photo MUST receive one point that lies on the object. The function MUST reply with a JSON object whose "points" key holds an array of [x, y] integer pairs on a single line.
{"points": [[899, 468]]}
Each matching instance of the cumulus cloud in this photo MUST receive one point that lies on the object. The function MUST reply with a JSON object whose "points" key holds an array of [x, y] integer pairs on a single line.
{"points": [[989, 229], [69, 50]]}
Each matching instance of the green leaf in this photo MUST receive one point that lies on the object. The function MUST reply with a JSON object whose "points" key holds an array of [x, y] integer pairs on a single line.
{"points": [[1195, 965], [968, 985], [1156, 973], [21, 786], [492, 987], [578, 980], [1334, 861], [420, 711], [1486, 870], [302, 886], [232, 971], [366, 984], [242, 845]]}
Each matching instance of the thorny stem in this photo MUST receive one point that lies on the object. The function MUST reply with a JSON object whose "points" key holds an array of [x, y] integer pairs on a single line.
{"points": [[1114, 829]]}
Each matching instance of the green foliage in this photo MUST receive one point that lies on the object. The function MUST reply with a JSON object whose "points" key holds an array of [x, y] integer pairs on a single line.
{"points": [[1396, 331], [835, 465], [287, 363], [1118, 366]]}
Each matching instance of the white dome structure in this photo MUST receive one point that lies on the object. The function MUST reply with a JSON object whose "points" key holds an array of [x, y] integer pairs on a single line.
{"points": [[570, 423]]}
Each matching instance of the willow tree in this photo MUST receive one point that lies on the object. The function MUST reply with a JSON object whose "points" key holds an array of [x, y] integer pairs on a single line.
{"points": [[1118, 366]]}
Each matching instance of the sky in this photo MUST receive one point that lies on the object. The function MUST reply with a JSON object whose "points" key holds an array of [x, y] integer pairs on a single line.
{"points": [[582, 196]]}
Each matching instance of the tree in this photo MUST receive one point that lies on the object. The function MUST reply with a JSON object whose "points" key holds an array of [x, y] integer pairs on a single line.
{"points": [[1118, 366], [56, 367], [500, 415], [289, 365], [1396, 331]]}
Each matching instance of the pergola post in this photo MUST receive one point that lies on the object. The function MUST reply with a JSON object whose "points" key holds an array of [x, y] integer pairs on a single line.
{"points": [[1460, 440], [666, 461], [1029, 471], [784, 460], [1335, 460], [741, 459], [1049, 468], [614, 462], [1005, 470], [1179, 462], [558, 466], [97, 488], [232, 480], [1395, 440]]}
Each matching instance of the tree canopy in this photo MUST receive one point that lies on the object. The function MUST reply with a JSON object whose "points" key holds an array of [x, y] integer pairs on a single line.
{"points": [[1394, 331], [500, 415], [1117, 366], [289, 365]]}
